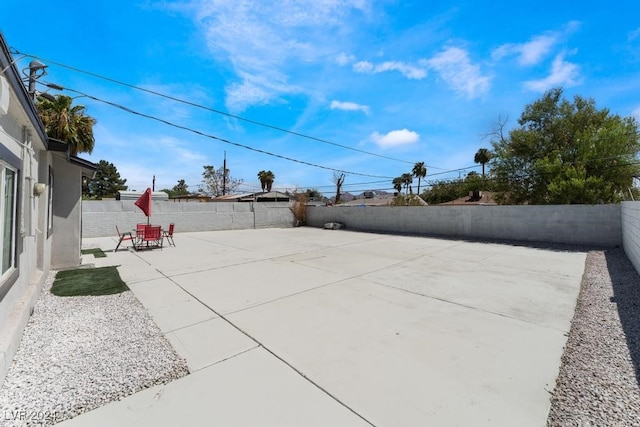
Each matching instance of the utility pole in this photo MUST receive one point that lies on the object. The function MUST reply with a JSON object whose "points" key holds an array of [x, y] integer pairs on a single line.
{"points": [[224, 174], [36, 70], [153, 184]]}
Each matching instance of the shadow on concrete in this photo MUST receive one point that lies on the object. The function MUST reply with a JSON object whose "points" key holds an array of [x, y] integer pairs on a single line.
{"points": [[548, 246], [626, 294]]}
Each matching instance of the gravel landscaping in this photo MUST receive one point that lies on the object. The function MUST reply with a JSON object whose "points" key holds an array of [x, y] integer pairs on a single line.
{"points": [[78, 353], [598, 382]]}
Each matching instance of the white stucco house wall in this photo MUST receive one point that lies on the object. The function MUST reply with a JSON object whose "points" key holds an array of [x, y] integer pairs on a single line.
{"points": [[40, 206]]}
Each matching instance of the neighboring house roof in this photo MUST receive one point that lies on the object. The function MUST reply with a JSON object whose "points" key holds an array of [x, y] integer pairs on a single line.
{"points": [[270, 196], [135, 195], [484, 198], [378, 200], [187, 197]]}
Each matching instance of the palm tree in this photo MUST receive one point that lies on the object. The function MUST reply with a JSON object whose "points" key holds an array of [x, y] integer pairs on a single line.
{"points": [[482, 156], [397, 184], [266, 180], [407, 179], [419, 171], [263, 180], [67, 123]]}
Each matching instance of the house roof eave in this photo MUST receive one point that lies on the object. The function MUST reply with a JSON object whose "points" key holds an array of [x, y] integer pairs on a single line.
{"points": [[13, 78]]}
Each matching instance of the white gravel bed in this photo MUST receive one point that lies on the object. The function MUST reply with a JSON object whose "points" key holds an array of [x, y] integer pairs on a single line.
{"points": [[79, 353], [598, 380]]}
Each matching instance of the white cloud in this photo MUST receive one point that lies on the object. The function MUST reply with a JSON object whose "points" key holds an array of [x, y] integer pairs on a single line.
{"points": [[395, 138], [529, 53], [456, 69], [169, 108], [344, 59], [257, 90], [537, 48], [453, 65], [179, 153], [563, 73], [409, 71], [349, 106], [262, 40], [364, 67], [246, 93]]}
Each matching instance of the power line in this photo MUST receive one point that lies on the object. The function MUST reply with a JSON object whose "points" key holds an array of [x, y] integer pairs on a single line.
{"points": [[226, 141], [193, 104]]}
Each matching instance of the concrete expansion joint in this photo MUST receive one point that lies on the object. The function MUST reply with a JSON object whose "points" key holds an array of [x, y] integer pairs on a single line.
{"points": [[470, 307], [259, 344], [233, 356]]}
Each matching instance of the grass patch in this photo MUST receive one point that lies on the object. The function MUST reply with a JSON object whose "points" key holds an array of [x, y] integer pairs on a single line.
{"points": [[88, 281], [96, 252]]}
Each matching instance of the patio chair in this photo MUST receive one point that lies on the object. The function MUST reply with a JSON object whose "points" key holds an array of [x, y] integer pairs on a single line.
{"points": [[151, 238], [139, 232], [123, 236], [169, 234]]}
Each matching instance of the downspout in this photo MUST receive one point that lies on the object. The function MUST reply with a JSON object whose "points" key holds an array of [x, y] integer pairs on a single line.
{"points": [[27, 156]]}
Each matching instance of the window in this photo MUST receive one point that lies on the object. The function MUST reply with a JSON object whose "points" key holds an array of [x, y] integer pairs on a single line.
{"points": [[8, 196], [10, 177]]}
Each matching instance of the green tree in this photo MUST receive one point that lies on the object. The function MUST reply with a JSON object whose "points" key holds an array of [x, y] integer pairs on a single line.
{"points": [[180, 189], [216, 182], [266, 179], [446, 191], [566, 152], [313, 194], [105, 183], [67, 123], [443, 191], [419, 171], [483, 156]]}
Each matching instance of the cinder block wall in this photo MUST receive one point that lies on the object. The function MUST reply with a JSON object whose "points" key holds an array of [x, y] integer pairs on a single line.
{"points": [[598, 225], [99, 218], [631, 232]]}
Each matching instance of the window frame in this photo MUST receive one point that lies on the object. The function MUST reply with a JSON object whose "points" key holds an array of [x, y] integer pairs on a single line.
{"points": [[9, 160], [12, 222], [50, 203]]}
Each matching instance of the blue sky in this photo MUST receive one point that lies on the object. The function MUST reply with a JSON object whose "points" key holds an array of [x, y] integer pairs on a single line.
{"points": [[375, 86]]}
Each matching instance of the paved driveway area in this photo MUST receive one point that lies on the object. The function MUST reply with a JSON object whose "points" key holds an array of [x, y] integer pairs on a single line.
{"points": [[303, 326]]}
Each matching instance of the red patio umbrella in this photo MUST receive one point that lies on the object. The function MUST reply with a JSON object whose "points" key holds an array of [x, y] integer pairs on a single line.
{"points": [[144, 203]]}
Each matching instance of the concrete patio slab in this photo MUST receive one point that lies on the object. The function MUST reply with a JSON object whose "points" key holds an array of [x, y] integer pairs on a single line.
{"points": [[251, 389], [402, 360], [209, 342], [241, 286], [314, 327], [543, 298], [170, 306]]}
